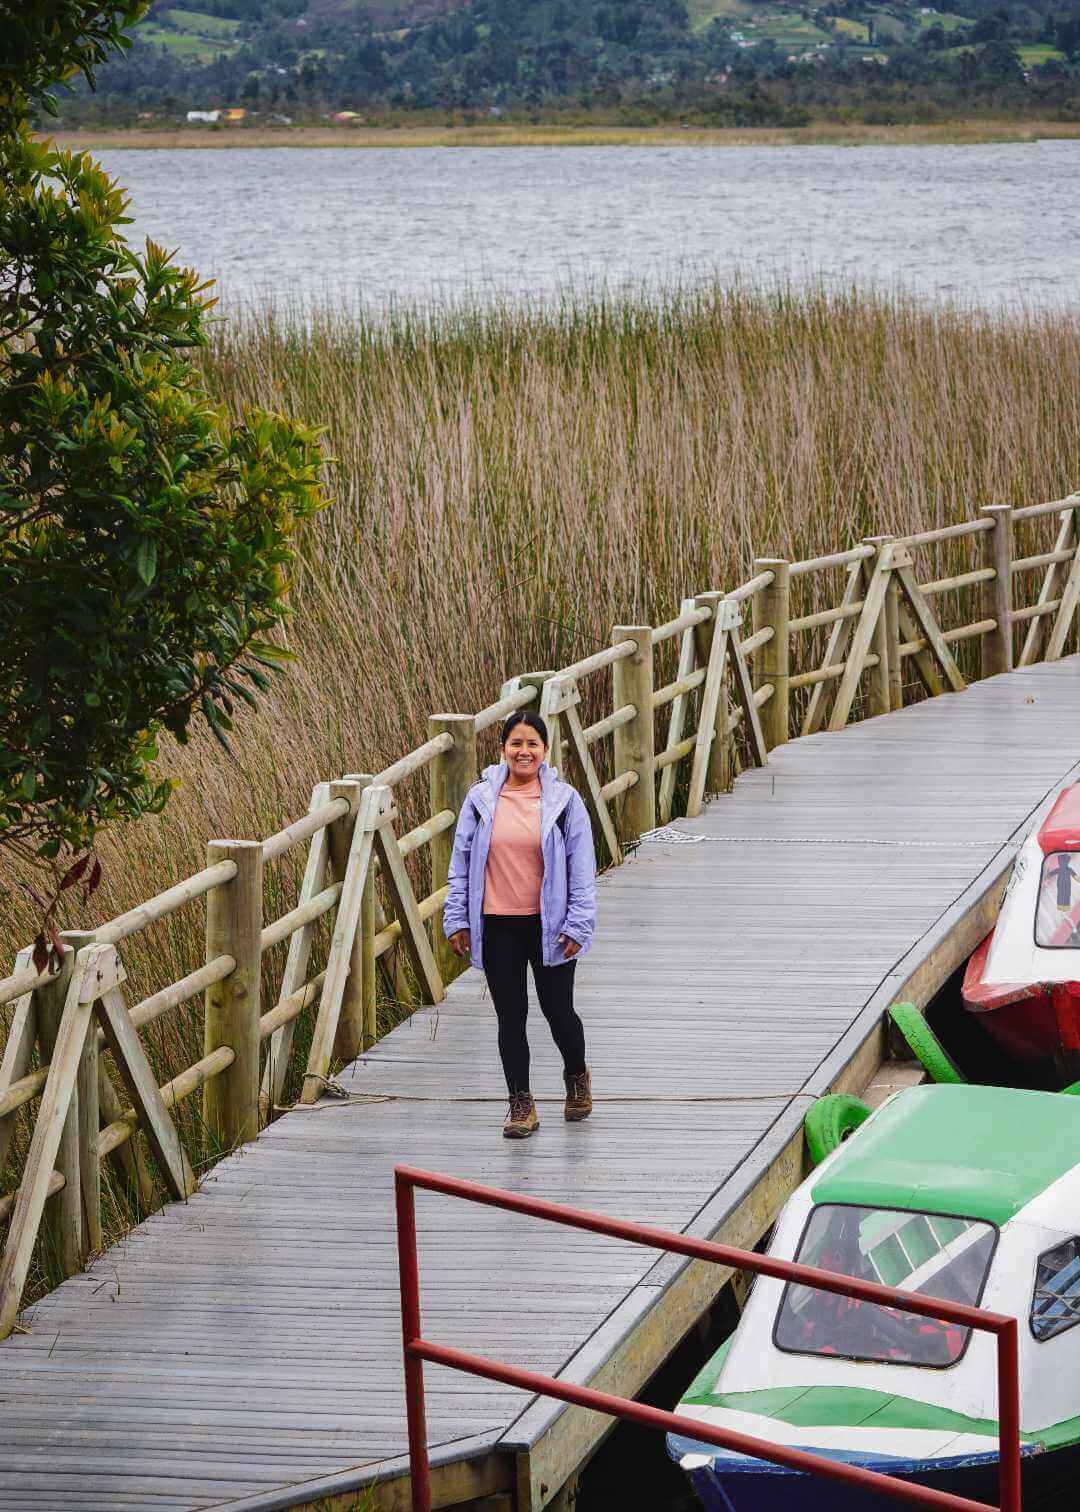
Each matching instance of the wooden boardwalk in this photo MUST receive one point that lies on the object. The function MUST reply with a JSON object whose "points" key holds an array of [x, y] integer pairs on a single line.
{"points": [[248, 1340]]}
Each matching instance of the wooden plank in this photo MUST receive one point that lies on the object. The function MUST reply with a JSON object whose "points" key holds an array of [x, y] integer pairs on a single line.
{"points": [[361, 852], [141, 1083], [294, 974]]}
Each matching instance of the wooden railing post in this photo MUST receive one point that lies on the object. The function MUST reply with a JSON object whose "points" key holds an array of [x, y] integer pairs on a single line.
{"points": [[87, 1091], [231, 1013], [772, 662], [886, 641], [718, 778], [451, 775], [350, 1035], [635, 742], [537, 680], [64, 1211], [996, 551], [371, 921]]}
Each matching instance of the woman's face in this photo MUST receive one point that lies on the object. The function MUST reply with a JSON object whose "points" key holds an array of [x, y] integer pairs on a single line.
{"points": [[524, 751]]}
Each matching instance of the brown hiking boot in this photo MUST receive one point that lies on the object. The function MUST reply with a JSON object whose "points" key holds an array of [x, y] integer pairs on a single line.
{"points": [[578, 1096], [521, 1121]]}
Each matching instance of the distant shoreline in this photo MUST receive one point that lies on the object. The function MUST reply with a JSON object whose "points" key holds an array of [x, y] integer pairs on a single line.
{"points": [[958, 133]]}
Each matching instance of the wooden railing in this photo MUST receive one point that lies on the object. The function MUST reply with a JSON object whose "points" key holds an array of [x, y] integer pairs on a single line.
{"points": [[851, 634]]}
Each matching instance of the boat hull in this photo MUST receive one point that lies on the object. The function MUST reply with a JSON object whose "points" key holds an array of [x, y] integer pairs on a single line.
{"points": [[1034, 1023], [1051, 1481]]}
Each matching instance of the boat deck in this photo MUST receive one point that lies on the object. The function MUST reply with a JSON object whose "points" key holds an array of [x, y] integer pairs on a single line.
{"points": [[244, 1347]]}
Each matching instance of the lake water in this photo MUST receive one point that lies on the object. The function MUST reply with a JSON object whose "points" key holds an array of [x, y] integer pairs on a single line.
{"points": [[985, 224]]}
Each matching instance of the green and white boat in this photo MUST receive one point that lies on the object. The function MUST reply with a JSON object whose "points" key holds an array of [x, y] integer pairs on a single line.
{"points": [[966, 1193]]}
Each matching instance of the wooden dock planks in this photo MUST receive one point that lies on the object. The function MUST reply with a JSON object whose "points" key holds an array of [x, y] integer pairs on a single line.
{"points": [[248, 1340]]}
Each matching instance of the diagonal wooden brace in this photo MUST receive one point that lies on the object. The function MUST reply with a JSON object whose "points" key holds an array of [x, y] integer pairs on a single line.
{"points": [[594, 798], [1066, 610], [138, 1076], [96, 970], [18, 1050], [373, 802], [296, 962], [929, 626], [862, 639], [413, 934]]}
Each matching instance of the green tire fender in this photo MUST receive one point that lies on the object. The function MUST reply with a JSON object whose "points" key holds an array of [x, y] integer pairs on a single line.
{"points": [[830, 1121], [925, 1044], [1073, 1090]]}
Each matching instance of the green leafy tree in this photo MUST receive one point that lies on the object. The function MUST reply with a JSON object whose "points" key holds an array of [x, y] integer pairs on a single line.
{"points": [[145, 542]]}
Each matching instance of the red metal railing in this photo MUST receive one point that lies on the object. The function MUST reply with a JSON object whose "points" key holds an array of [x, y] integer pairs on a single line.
{"points": [[419, 1349]]}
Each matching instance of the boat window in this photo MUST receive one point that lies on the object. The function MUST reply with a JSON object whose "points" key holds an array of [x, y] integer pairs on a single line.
{"points": [[1056, 1303], [934, 1255], [1057, 918]]}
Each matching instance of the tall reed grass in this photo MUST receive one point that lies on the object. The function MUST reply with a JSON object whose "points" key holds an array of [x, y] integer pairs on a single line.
{"points": [[511, 482]]}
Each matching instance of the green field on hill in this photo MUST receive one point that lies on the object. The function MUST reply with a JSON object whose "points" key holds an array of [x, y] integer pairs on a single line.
{"points": [[190, 34]]}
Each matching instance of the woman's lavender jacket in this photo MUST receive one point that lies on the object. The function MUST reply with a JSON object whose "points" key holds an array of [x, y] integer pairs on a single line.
{"points": [[568, 891]]}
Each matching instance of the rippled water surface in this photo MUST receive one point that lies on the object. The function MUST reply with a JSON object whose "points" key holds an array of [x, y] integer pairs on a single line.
{"points": [[990, 224]]}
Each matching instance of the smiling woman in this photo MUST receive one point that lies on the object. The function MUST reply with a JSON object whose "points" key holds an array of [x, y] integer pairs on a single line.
{"points": [[522, 895]]}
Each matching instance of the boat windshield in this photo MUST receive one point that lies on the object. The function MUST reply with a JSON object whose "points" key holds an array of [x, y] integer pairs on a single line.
{"points": [[1057, 919], [917, 1252]]}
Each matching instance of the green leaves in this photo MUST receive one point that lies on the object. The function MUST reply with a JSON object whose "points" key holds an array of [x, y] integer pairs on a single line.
{"points": [[145, 542], [146, 559], [46, 41]]}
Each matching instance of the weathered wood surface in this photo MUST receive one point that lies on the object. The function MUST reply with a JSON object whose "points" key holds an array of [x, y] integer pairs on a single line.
{"points": [[247, 1340]]}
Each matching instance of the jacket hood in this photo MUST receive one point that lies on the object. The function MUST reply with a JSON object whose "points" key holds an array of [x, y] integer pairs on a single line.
{"points": [[556, 793]]}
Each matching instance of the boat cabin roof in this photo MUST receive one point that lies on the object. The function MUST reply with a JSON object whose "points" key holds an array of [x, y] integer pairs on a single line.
{"points": [[1061, 828], [975, 1152]]}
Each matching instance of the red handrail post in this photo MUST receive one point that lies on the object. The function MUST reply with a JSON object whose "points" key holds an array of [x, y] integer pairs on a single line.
{"points": [[409, 1271], [1008, 1385], [419, 1349]]}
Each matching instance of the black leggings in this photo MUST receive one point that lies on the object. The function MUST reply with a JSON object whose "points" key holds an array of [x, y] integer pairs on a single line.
{"points": [[512, 942]]}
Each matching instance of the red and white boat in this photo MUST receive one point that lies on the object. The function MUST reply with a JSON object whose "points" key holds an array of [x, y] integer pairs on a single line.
{"points": [[1023, 982]]}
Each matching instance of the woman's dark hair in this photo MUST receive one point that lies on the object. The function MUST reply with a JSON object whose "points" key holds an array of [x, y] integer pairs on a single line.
{"points": [[525, 717]]}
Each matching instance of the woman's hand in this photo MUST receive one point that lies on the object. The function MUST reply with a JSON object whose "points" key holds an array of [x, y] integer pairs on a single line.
{"points": [[570, 946], [460, 943]]}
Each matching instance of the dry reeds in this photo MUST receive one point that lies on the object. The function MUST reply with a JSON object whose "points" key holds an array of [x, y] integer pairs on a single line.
{"points": [[512, 482]]}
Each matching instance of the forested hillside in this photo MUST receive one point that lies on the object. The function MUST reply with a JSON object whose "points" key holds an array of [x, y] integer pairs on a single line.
{"points": [[717, 62]]}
